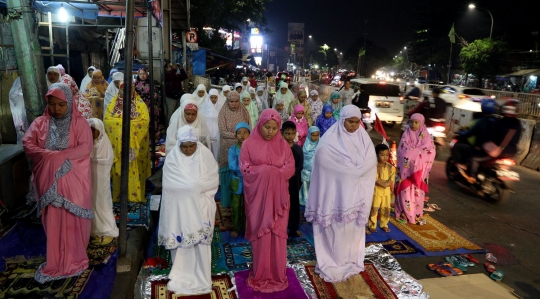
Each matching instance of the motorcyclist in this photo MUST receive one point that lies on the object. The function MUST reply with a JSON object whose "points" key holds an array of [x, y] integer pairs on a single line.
{"points": [[486, 130], [432, 108], [361, 100], [507, 123]]}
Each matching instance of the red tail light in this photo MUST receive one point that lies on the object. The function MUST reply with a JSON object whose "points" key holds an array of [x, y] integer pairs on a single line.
{"points": [[440, 128], [463, 96]]}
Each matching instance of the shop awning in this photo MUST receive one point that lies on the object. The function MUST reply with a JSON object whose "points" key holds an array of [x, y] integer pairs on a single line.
{"points": [[526, 72]]}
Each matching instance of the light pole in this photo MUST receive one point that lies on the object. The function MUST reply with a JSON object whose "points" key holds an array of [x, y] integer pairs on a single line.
{"points": [[472, 6]]}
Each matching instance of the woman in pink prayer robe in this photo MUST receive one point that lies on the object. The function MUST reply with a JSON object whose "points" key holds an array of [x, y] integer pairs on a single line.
{"points": [[59, 144], [267, 164], [340, 196], [415, 155]]}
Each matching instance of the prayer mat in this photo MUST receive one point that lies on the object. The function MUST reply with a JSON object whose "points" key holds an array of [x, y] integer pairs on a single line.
{"points": [[294, 290], [434, 236], [17, 281], [299, 249], [396, 246], [217, 255], [223, 217], [376, 282], [5, 229], [357, 286], [237, 255], [98, 253], [220, 285], [138, 213]]}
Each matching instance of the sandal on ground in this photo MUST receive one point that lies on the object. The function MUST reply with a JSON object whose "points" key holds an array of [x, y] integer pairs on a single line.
{"points": [[456, 262], [373, 230], [497, 275], [421, 222], [429, 209], [489, 267], [445, 269], [464, 261], [233, 234], [491, 258], [385, 229], [402, 221], [470, 258], [434, 206]]}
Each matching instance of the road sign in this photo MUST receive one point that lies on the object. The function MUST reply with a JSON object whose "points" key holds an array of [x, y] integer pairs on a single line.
{"points": [[193, 46], [192, 36]]}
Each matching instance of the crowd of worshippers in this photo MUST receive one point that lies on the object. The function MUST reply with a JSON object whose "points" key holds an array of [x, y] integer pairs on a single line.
{"points": [[270, 165]]}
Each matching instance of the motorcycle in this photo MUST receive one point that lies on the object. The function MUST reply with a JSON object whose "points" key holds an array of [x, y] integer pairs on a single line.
{"points": [[437, 130], [493, 181], [366, 118]]}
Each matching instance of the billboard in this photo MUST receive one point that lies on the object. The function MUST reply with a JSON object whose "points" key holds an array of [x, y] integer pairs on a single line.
{"points": [[296, 33]]}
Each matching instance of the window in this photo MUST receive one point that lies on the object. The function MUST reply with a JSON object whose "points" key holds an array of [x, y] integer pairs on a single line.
{"points": [[474, 92], [387, 90]]}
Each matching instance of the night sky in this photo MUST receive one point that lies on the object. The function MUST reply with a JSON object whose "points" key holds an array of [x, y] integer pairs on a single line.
{"points": [[390, 22]]}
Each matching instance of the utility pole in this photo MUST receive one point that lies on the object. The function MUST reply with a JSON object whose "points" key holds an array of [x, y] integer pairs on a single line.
{"points": [[29, 59]]}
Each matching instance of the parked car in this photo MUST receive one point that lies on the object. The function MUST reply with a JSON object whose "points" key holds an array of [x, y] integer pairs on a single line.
{"points": [[385, 99], [462, 97], [421, 80]]}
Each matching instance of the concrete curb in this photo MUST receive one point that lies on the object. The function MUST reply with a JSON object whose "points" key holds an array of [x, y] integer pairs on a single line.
{"points": [[533, 157], [524, 143]]}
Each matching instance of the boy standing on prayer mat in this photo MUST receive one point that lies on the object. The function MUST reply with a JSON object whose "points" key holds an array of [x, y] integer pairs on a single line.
{"points": [[288, 130], [384, 188], [236, 185]]}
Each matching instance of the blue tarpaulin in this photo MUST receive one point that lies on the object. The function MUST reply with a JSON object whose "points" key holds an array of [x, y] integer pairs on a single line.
{"points": [[198, 60], [89, 11]]}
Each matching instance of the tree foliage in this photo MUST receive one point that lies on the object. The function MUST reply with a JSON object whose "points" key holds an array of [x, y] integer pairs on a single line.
{"points": [[483, 57], [228, 15]]}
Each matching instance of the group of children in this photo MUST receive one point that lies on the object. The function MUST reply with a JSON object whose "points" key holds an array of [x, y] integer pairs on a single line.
{"points": [[304, 151]]}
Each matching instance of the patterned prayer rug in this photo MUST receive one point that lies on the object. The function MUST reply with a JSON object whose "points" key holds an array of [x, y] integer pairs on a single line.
{"points": [[223, 217], [98, 253], [294, 290], [138, 213], [299, 249], [374, 279], [220, 285], [434, 236], [369, 284], [396, 247], [17, 281], [237, 255]]}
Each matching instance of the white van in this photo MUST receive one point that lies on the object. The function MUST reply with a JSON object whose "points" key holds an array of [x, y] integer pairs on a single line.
{"points": [[385, 99]]}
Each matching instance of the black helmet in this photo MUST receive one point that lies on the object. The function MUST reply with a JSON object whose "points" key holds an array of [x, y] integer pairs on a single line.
{"points": [[436, 90]]}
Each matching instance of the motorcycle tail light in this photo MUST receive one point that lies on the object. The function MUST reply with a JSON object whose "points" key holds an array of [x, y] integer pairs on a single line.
{"points": [[367, 115], [454, 141], [401, 99], [506, 162], [440, 128]]}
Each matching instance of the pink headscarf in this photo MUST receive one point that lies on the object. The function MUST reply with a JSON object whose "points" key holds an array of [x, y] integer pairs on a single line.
{"points": [[342, 192], [415, 156], [302, 126], [266, 166]]}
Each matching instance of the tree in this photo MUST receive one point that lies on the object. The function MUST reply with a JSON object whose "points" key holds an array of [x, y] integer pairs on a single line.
{"points": [[483, 57], [228, 15]]}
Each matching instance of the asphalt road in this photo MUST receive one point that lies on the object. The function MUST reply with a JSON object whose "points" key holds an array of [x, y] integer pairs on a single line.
{"points": [[513, 228]]}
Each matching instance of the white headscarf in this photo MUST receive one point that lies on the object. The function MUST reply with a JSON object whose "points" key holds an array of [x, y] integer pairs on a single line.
{"points": [[53, 69], [211, 113], [187, 96], [222, 93], [86, 79], [112, 90], [188, 207], [186, 134], [101, 159], [177, 121], [200, 100]]}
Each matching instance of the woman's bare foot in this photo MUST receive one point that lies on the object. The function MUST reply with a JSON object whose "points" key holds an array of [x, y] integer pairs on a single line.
{"points": [[234, 234]]}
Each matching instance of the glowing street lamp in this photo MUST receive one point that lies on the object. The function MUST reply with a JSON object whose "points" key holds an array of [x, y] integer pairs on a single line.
{"points": [[310, 36], [472, 6], [62, 14]]}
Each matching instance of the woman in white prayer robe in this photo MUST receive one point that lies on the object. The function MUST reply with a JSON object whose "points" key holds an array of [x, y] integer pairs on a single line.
{"points": [[187, 214]]}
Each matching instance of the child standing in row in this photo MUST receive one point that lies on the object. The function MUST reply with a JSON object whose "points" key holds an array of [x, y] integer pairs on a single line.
{"points": [[384, 188], [288, 130], [309, 151], [325, 119], [301, 124], [236, 185]]}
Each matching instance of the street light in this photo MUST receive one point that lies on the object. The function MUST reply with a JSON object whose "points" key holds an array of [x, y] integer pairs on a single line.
{"points": [[310, 36], [472, 6], [335, 49], [62, 14]]}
